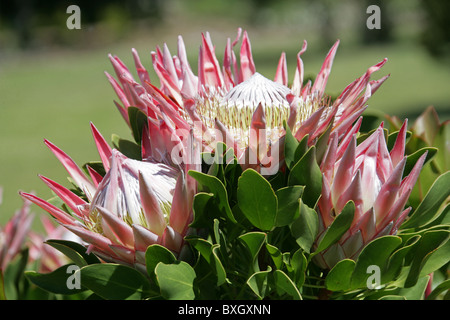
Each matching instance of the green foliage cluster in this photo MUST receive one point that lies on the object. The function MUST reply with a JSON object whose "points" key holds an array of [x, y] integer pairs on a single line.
{"points": [[255, 237]]}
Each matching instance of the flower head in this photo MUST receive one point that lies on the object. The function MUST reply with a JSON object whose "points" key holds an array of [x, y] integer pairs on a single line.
{"points": [[134, 205], [14, 234], [373, 178], [234, 104]]}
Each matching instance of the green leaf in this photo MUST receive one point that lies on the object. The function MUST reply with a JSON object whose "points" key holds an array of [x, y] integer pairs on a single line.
{"points": [[322, 143], [55, 281], [201, 211], [275, 254], [437, 258], [376, 253], [74, 251], [288, 208], [430, 241], [339, 278], [211, 184], [14, 276], [442, 159], [253, 241], [290, 145], [284, 285], [428, 208], [338, 227], [219, 269], [306, 172], [2, 286], [442, 287], [417, 291], [96, 165], [304, 229], [176, 281], [210, 253], [156, 254], [298, 264], [293, 149], [138, 120], [396, 260], [257, 200], [127, 147], [258, 282], [412, 158], [115, 282]]}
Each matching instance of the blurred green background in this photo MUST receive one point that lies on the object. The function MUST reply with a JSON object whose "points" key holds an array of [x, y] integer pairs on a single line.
{"points": [[52, 81]]}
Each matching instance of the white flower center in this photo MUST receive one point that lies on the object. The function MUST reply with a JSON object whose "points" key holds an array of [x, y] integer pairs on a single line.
{"points": [[235, 108], [257, 90]]}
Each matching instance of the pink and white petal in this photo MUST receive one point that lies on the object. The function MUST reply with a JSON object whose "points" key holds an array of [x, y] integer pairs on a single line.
{"points": [[103, 148], [247, 64], [143, 237], [320, 83], [75, 172], [297, 83], [281, 75], [60, 215], [150, 205], [73, 201], [115, 228]]}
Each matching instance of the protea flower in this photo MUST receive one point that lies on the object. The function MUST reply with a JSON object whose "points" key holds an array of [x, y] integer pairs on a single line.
{"points": [[234, 104], [372, 177], [48, 258], [14, 234], [134, 205]]}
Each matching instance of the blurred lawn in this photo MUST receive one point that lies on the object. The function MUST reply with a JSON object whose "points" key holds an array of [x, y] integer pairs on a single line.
{"points": [[55, 95]]}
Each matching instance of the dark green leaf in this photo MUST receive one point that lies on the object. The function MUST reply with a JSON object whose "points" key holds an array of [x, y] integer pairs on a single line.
{"points": [[412, 158], [304, 229], [74, 251], [425, 249], [115, 282], [138, 121], [306, 172], [339, 278], [202, 216], [428, 208], [375, 254], [293, 149], [275, 254], [2, 286], [299, 264], [338, 227], [253, 241], [156, 254], [396, 260], [258, 282], [211, 184], [284, 285], [60, 281], [176, 281], [442, 287], [127, 147], [257, 200], [288, 208]]}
